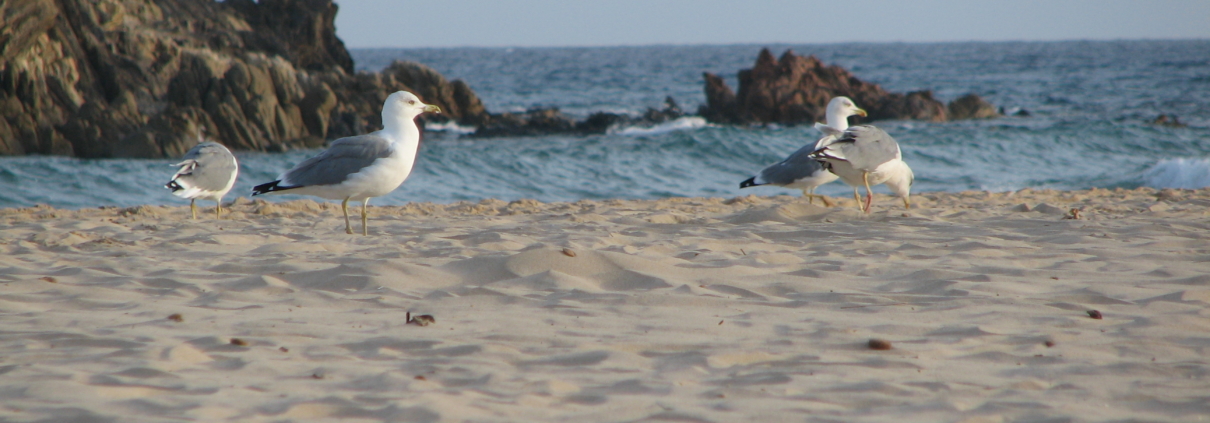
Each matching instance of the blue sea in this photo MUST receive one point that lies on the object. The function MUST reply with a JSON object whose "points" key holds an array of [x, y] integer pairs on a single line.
{"points": [[1089, 105]]}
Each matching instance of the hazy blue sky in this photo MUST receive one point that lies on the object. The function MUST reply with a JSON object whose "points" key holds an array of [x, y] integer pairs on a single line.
{"points": [[444, 23]]}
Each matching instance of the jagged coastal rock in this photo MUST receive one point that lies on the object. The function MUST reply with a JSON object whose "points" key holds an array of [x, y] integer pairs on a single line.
{"points": [[143, 78], [796, 89], [140, 78]]}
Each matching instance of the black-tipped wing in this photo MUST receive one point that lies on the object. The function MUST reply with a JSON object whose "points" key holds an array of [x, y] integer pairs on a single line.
{"points": [[798, 165], [343, 157], [208, 166]]}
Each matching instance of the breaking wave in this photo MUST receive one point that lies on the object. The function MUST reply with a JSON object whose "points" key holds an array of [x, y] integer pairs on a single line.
{"points": [[681, 124], [1179, 173]]}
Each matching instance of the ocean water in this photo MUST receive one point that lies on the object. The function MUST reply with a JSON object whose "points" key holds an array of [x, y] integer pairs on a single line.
{"points": [[1089, 104]]}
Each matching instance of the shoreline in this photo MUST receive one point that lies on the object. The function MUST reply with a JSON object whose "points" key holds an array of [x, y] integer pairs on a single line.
{"points": [[697, 309], [1000, 197]]}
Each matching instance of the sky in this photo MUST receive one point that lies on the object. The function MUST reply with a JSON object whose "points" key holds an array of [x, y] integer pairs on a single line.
{"points": [[549, 23]]}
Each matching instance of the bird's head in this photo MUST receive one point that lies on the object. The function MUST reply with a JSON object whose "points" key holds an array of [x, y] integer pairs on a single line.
{"points": [[843, 107], [406, 105]]}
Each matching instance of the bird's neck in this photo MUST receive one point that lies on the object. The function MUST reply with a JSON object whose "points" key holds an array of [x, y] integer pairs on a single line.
{"points": [[838, 122], [401, 128]]}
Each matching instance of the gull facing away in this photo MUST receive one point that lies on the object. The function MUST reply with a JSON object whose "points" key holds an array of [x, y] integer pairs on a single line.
{"points": [[800, 170], [207, 171], [360, 167], [867, 155]]}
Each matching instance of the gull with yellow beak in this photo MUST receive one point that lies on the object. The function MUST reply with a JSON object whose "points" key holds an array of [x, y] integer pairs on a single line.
{"points": [[866, 155], [360, 167], [800, 170]]}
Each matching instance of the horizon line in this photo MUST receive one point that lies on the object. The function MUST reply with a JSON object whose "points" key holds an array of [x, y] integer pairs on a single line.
{"points": [[674, 44]]}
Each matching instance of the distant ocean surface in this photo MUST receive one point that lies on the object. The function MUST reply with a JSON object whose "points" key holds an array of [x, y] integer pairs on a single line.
{"points": [[1089, 104]]}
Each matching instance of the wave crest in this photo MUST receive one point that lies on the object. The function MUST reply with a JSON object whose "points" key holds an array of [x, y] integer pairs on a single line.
{"points": [[1179, 173], [680, 124]]}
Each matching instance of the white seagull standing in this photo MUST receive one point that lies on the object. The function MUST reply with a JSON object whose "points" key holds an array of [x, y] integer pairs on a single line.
{"points": [[360, 167], [207, 171], [799, 170], [867, 155]]}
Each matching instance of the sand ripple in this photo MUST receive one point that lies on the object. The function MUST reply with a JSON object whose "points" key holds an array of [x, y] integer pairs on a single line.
{"points": [[685, 309]]}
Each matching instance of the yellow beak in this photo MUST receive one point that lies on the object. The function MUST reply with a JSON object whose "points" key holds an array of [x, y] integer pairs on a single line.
{"points": [[861, 112], [435, 109]]}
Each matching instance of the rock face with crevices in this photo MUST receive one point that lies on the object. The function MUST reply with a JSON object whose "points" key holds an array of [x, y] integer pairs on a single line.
{"points": [[146, 78], [796, 89], [142, 78]]}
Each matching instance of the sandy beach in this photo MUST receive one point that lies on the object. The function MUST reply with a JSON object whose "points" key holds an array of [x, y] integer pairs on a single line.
{"points": [[685, 309]]}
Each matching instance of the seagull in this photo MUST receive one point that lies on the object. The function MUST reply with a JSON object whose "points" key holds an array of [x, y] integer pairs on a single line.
{"points": [[867, 155], [360, 167], [799, 170], [207, 171]]}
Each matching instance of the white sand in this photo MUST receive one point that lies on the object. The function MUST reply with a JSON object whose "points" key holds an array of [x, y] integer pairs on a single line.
{"points": [[687, 310]]}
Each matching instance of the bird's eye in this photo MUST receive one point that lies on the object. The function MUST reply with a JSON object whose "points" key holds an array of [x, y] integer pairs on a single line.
{"points": [[411, 101]]}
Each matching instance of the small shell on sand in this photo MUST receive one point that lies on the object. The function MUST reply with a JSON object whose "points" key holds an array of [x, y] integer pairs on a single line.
{"points": [[420, 320], [1094, 314], [879, 344]]}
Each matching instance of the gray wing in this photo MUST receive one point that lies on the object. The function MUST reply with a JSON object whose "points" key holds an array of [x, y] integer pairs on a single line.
{"points": [[343, 157], [208, 166], [798, 165], [864, 146]]}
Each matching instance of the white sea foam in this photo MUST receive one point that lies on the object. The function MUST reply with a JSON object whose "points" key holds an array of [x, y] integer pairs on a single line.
{"points": [[449, 126], [1179, 173], [681, 124]]}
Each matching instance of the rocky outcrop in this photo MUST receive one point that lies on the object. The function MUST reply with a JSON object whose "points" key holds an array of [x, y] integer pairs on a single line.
{"points": [[971, 106], [1169, 121], [361, 96], [796, 89], [140, 78], [534, 122], [550, 121], [302, 32]]}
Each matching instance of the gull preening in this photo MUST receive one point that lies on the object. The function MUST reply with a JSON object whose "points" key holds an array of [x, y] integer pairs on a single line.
{"points": [[866, 155], [800, 170], [360, 167], [207, 171]]}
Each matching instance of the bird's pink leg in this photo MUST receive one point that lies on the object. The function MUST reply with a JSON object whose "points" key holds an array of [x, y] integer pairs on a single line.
{"points": [[869, 195]]}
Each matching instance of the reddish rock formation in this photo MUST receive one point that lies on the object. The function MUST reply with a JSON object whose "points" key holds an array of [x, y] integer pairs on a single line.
{"points": [[796, 89]]}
